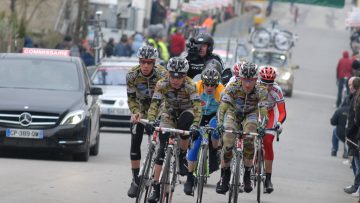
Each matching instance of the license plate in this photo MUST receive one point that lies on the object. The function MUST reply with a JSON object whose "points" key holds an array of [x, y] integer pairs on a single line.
{"points": [[113, 111], [21, 133]]}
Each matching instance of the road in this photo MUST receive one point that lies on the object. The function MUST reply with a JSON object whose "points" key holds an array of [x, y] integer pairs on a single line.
{"points": [[304, 171]]}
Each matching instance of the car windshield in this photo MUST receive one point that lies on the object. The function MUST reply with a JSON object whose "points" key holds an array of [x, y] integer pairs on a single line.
{"points": [[270, 58], [110, 76], [39, 74]]}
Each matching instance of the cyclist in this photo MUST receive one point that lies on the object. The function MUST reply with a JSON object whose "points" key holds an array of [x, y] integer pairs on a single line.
{"points": [[209, 89], [235, 70], [276, 116], [199, 53], [242, 102], [181, 110], [141, 81]]}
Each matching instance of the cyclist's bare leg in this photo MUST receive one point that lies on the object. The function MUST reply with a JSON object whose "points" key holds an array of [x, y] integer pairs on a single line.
{"points": [[184, 144], [191, 165], [135, 164], [268, 166], [215, 143], [157, 172]]}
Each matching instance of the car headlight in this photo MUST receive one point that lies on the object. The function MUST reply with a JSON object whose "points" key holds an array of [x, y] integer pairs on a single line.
{"points": [[73, 118], [286, 76]]}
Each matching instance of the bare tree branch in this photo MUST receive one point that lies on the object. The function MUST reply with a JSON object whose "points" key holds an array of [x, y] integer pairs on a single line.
{"points": [[38, 4]]}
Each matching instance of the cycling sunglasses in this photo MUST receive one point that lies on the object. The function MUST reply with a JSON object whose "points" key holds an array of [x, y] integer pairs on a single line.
{"points": [[143, 61], [210, 84]]}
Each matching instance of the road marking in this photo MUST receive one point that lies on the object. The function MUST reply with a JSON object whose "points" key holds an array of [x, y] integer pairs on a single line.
{"points": [[314, 94]]}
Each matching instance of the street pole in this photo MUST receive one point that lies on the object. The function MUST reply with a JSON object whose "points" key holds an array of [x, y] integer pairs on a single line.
{"points": [[97, 38]]}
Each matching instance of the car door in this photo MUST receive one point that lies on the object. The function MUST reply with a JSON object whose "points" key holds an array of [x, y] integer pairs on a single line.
{"points": [[92, 106]]}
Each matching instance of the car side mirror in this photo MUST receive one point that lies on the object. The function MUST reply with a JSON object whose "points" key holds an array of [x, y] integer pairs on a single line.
{"points": [[295, 67], [96, 91]]}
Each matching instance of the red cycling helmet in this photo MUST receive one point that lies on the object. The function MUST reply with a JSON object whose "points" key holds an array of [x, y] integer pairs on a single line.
{"points": [[267, 74], [236, 68]]}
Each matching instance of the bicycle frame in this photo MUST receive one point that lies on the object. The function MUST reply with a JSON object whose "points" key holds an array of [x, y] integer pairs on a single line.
{"points": [[169, 174], [258, 175], [202, 168], [237, 165], [146, 172]]}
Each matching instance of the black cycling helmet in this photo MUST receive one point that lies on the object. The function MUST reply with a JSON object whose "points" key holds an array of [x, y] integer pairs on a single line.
{"points": [[177, 66], [210, 76], [248, 70], [214, 64], [204, 38], [147, 52]]}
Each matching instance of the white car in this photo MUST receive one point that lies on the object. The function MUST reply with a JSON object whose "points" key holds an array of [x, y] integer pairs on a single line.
{"points": [[111, 77]]}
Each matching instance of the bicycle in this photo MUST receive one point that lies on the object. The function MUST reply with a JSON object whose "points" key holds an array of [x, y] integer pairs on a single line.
{"points": [[258, 171], [202, 169], [145, 175], [273, 37], [169, 173], [237, 166]]}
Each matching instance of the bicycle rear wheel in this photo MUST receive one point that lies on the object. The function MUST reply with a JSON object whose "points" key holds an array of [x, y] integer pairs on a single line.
{"points": [[145, 175], [165, 177], [201, 174]]}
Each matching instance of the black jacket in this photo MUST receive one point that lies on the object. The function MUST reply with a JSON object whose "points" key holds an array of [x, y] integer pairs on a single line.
{"points": [[339, 119], [352, 130], [197, 64]]}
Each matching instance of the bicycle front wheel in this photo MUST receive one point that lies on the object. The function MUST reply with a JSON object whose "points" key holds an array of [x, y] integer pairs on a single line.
{"points": [[145, 174], [235, 180], [165, 177], [260, 171], [201, 174]]}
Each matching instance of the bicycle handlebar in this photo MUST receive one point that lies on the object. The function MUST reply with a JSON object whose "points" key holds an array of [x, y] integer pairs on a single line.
{"points": [[170, 130], [251, 134]]}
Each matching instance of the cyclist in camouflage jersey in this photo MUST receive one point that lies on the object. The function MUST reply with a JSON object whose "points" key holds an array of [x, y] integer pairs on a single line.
{"points": [[141, 81], [242, 102], [182, 110]]}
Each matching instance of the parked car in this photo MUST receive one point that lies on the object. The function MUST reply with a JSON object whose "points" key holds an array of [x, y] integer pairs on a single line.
{"points": [[48, 103], [111, 77]]}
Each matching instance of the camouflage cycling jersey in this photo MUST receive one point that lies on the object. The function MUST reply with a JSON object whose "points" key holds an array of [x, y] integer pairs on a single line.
{"points": [[235, 99], [176, 100], [140, 89]]}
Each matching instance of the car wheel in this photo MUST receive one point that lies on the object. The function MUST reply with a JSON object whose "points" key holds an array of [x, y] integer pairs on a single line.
{"points": [[83, 156], [94, 150]]}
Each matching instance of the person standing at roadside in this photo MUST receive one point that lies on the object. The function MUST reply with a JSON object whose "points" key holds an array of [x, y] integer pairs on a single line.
{"points": [[343, 73]]}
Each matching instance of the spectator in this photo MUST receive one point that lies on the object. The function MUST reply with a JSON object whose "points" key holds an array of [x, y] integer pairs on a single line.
{"points": [[67, 44], [158, 12], [352, 132], [339, 119], [138, 41], [356, 64], [162, 48], [109, 48], [208, 23], [28, 42], [177, 43], [123, 48], [87, 54], [343, 72]]}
